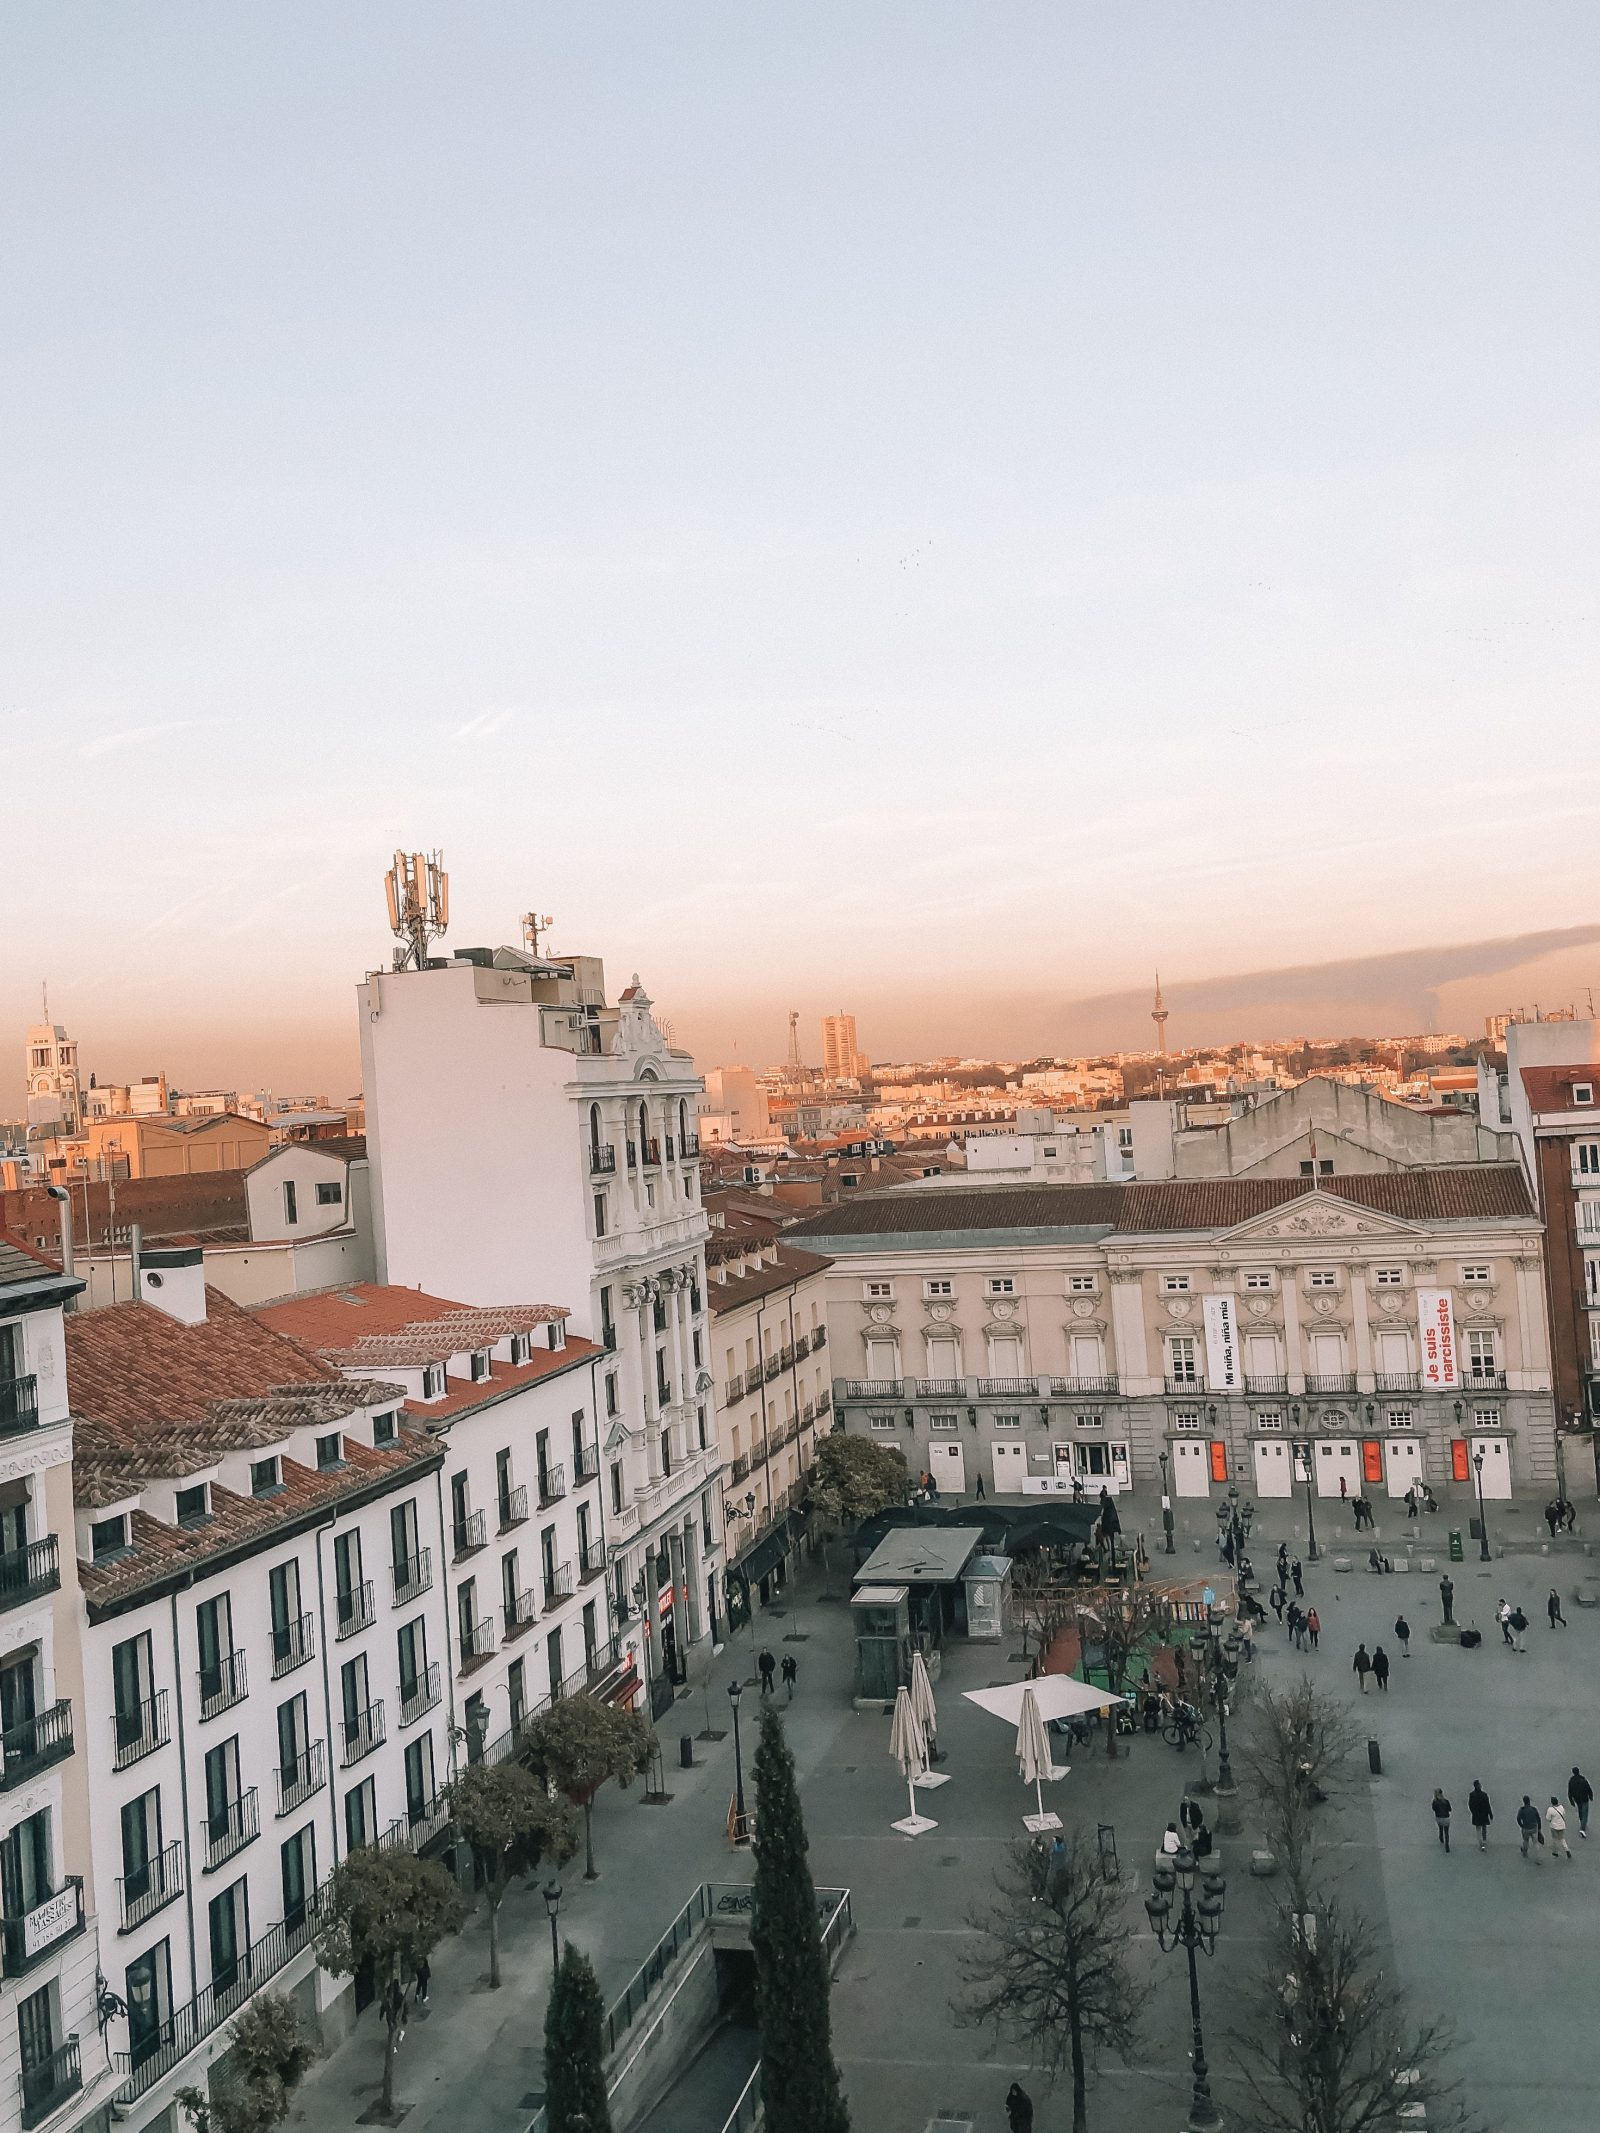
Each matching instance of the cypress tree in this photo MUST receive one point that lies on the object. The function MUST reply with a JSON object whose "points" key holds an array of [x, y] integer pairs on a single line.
{"points": [[799, 2082], [574, 2050]]}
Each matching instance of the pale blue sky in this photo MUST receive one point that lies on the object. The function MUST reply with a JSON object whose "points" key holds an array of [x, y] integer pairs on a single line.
{"points": [[922, 508]]}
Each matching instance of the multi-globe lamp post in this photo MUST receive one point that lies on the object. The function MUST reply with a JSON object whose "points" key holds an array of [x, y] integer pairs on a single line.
{"points": [[1194, 1929]]}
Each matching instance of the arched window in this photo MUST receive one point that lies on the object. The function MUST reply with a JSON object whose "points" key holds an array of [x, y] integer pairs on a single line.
{"points": [[644, 1134]]}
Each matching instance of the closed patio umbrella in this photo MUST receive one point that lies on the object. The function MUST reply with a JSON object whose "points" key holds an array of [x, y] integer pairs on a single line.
{"points": [[910, 1751], [928, 1718], [1033, 1760]]}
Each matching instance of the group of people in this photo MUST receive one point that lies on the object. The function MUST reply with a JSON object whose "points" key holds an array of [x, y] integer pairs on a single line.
{"points": [[767, 1666], [1535, 1828], [1420, 1497], [1560, 1516]]}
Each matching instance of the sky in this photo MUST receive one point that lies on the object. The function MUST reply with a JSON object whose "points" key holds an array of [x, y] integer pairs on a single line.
{"points": [[928, 509]]}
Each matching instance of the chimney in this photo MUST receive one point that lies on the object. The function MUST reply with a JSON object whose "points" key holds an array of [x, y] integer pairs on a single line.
{"points": [[173, 1279], [63, 1199]]}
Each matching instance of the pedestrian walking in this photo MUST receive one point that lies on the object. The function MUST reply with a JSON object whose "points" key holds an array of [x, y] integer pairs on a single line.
{"points": [[1294, 1572], [1380, 1668], [1247, 1637], [767, 1667], [1294, 1618], [1552, 1516], [1581, 1793], [1283, 1562], [1411, 1501], [1502, 1615], [790, 1671], [1569, 1516], [1555, 1822], [1441, 1816], [1276, 1597], [1313, 1625], [1344, 1490], [1402, 1635], [1529, 1824], [1362, 1666], [1552, 1608], [1480, 1813], [1019, 2109], [1519, 1623], [421, 1981]]}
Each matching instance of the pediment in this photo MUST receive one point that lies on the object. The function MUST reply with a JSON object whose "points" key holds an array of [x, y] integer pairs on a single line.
{"points": [[1317, 1216], [619, 1438]]}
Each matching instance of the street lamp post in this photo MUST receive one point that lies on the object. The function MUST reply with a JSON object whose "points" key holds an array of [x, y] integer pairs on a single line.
{"points": [[1195, 1928], [1483, 1523], [1224, 1656], [1301, 1449], [552, 1905], [735, 1691], [1166, 1503]]}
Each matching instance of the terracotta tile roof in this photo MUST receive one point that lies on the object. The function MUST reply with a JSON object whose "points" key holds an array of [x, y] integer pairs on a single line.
{"points": [[1549, 1088], [131, 1366], [792, 1265]]}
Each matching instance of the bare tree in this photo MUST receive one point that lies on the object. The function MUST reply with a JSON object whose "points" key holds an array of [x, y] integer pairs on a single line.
{"points": [[1041, 1598], [1122, 1623], [1299, 1752], [1052, 1968], [1331, 2046]]}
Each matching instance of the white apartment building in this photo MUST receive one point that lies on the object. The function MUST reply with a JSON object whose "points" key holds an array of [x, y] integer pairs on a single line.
{"points": [[54, 2069], [511, 1400], [525, 1136], [1378, 1329], [769, 1334], [265, 1652]]}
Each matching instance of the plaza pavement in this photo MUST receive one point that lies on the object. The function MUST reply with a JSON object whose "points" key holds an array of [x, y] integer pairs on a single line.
{"points": [[1501, 1944]]}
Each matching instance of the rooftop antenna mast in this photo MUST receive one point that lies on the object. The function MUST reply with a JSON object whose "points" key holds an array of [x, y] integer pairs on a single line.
{"points": [[533, 924], [419, 905]]}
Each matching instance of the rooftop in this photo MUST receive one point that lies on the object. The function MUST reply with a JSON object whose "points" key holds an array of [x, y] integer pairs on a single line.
{"points": [[743, 1284]]}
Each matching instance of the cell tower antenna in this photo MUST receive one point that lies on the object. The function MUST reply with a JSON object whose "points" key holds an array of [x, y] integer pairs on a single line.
{"points": [[794, 1037], [533, 924], [1158, 1015], [419, 905]]}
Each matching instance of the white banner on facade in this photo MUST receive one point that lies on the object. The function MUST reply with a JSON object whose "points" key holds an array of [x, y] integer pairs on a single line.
{"points": [[1224, 1369], [1436, 1331]]}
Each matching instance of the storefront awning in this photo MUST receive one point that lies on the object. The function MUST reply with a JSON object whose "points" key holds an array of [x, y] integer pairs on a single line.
{"points": [[762, 1557]]}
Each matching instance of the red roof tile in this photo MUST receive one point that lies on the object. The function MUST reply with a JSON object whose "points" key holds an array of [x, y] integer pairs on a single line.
{"points": [[131, 1366]]}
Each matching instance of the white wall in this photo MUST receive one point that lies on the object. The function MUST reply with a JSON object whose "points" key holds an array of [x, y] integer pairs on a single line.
{"points": [[303, 1165]]}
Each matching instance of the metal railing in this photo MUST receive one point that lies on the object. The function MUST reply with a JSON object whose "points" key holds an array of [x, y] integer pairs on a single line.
{"points": [[650, 1152], [48, 2083], [141, 1730], [552, 1483], [1271, 1381], [691, 1145], [875, 1389], [292, 1645], [602, 1160], [413, 1576], [299, 1780], [354, 1609], [771, 1368], [786, 1356], [1189, 1383], [824, 1402], [477, 1642], [149, 1887], [514, 1506], [1397, 1381], [361, 1734], [747, 2113], [29, 1939], [29, 1573], [1071, 1388], [585, 1463], [558, 1586], [734, 1389], [802, 1346], [223, 1685], [1007, 1388], [469, 1534], [941, 1388], [19, 1405], [1328, 1381], [1483, 1380], [520, 1613], [424, 1694], [591, 1561], [740, 1469], [232, 1827], [819, 1337]]}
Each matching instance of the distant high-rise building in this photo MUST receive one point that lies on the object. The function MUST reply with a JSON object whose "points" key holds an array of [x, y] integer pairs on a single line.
{"points": [[55, 1101], [841, 1061], [1158, 1015]]}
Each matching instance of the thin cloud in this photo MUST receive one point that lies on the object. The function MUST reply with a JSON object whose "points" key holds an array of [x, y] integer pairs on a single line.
{"points": [[483, 726], [135, 736]]}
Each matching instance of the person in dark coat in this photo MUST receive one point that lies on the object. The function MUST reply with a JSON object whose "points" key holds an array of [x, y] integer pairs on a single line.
{"points": [[767, 1667], [1362, 1665], [1294, 1572], [1402, 1635], [1019, 2109], [1581, 1793], [1480, 1813], [1380, 1668], [1552, 1608], [1441, 1816]]}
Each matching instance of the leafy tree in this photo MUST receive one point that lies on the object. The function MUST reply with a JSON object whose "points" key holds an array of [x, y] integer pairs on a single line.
{"points": [[389, 1910], [268, 2051], [799, 2081], [852, 1478], [577, 1744], [574, 2050], [511, 1822], [1053, 1970]]}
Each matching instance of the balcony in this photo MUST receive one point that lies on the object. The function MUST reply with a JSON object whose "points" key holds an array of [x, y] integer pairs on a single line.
{"points": [[733, 1390], [514, 1507], [770, 1368], [633, 1155], [802, 1347], [1331, 1382], [875, 1389], [48, 2083], [558, 1586], [740, 1469], [232, 1827], [423, 1696], [477, 1644], [941, 1388], [650, 1153], [1076, 1388], [585, 1464], [469, 1534], [591, 1562], [1271, 1381], [824, 1403], [691, 1146], [19, 1405], [141, 1730], [29, 1939], [1397, 1381], [552, 1484], [152, 1886], [413, 1576], [1007, 1388], [520, 1613], [1484, 1380], [293, 1643], [361, 1734], [786, 1357], [808, 1413], [819, 1337], [300, 1780], [223, 1685], [1188, 1384], [602, 1161], [354, 1610], [31, 1572]]}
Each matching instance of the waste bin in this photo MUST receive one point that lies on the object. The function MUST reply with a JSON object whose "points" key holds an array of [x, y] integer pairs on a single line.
{"points": [[1456, 1551], [1374, 1759]]}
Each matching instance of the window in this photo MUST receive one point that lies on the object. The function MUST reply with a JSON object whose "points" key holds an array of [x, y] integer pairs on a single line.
{"points": [[521, 1349], [297, 1867], [360, 1816], [107, 1537], [1582, 1094], [1387, 1277], [1257, 1280], [1586, 1158], [1322, 1277], [386, 1428], [1182, 1363], [403, 1549], [1050, 1151], [291, 1211], [330, 1452], [478, 1365], [1174, 1284], [347, 1578], [265, 1477], [1081, 1284], [1268, 1418], [944, 1421], [1187, 1418], [878, 1291], [1000, 1285], [330, 1195], [193, 1506], [213, 1624], [1472, 1275], [612, 1400], [881, 1422], [1399, 1418], [419, 1778], [433, 1381], [1089, 1421], [517, 1692], [616, 1487], [938, 1288], [1482, 1360], [599, 1214], [1486, 1418], [1008, 1421], [1322, 1168]]}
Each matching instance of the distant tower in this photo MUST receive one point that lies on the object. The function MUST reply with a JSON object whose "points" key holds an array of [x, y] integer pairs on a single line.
{"points": [[55, 1099], [794, 1040], [1158, 1015]]}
